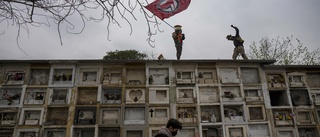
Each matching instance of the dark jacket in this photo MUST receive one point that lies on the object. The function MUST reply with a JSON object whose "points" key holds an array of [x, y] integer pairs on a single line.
{"points": [[237, 41]]}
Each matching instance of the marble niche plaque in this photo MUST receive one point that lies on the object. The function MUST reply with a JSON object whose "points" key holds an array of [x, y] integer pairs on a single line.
{"points": [[285, 134], [35, 96], [158, 115], [207, 76], [39, 77], [84, 132], [57, 116], [185, 77], [158, 76], [250, 76], [110, 116], [109, 132], [253, 95], [229, 75], [259, 130], [305, 118], [136, 76], [85, 116], [235, 132], [134, 115], [135, 95], [187, 132], [113, 77], [208, 95], [186, 95]]}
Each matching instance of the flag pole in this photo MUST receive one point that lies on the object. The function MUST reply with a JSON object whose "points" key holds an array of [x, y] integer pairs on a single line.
{"points": [[168, 24]]}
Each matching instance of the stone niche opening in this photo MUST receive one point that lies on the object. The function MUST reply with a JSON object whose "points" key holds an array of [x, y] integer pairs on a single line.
{"points": [[83, 132], [313, 80], [308, 132], [55, 132], [89, 76], [256, 113], [186, 95], [210, 114], [59, 96], [85, 116], [209, 95], [8, 117], [185, 77], [283, 117], [39, 77], [250, 75], [158, 115], [187, 132], [259, 130], [187, 114], [158, 95], [31, 116], [35, 96], [87, 96], [10, 96], [296, 79], [229, 75], [28, 134], [62, 76], [285, 133], [158, 76], [300, 98], [276, 80], [134, 133], [305, 118], [230, 93], [253, 95], [6, 132], [278, 98], [236, 131], [57, 116], [207, 76], [109, 132], [233, 113], [134, 115], [112, 75], [111, 95], [110, 116], [13, 77], [135, 76], [212, 131]]}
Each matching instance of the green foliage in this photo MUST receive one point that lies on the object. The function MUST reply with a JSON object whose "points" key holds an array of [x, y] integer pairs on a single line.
{"points": [[285, 50], [125, 55]]}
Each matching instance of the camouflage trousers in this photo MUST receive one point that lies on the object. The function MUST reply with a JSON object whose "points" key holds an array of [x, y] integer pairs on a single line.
{"points": [[239, 50]]}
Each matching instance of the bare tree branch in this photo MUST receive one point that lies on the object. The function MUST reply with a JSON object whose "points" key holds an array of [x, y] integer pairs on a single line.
{"points": [[25, 13]]}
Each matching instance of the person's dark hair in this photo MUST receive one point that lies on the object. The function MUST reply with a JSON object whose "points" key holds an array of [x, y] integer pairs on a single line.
{"points": [[174, 123], [161, 135]]}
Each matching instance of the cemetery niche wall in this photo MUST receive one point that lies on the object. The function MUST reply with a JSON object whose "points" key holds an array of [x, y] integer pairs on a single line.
{"points": [[220, 98]]}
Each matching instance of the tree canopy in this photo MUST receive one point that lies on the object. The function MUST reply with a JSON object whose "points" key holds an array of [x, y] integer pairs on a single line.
{"points": [[125, 55], [287, 51], [26, 13]]}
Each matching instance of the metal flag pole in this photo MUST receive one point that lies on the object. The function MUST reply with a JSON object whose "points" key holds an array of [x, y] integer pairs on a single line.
{"points": [[168, 24]]}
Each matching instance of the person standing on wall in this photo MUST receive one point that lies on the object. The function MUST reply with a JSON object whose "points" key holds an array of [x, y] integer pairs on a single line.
{"points": [[238, 43], [178, 38], [171, 129]]}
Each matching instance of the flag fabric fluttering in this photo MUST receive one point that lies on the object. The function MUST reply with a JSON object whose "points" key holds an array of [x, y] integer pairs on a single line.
{"points": [[167, 8]]}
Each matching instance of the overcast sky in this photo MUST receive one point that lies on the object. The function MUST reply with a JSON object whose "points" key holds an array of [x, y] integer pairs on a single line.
{"points": [[205, 24]]}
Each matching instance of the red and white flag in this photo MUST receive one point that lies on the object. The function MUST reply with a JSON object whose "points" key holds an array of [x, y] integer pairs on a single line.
{"points": [[167, 8]]}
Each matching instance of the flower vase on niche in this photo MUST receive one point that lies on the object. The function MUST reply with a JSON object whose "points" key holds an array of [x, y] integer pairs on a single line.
{"points": [[213, 118]]}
